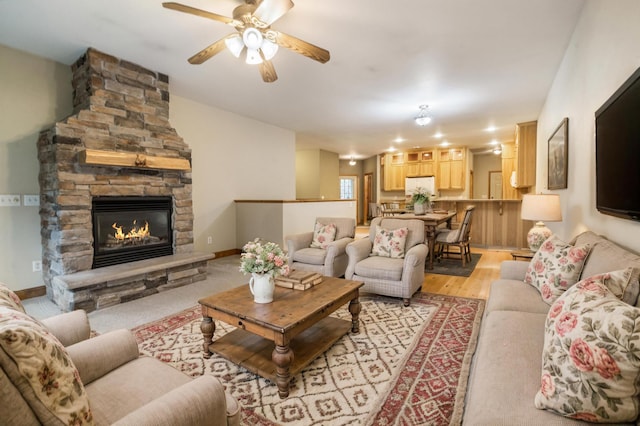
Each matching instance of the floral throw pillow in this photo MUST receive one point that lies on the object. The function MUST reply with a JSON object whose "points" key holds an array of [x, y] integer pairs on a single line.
{"points": [[389, 242], [9, 299], [590, 360], [44, 365], [555, 267], [323, 235]]}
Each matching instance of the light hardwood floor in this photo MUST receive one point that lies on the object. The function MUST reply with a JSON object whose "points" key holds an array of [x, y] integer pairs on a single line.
{"points": [[477, 284]]}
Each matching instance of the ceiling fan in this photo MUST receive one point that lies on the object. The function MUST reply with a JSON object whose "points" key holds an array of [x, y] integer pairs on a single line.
{"points": [[252, 22]]}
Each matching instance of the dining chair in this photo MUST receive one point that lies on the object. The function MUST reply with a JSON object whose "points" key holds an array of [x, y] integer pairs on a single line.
{"points": [[448, 238]]}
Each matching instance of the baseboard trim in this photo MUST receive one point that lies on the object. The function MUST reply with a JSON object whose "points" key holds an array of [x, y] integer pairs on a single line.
{"points": [[29, 293], [225, 253]]}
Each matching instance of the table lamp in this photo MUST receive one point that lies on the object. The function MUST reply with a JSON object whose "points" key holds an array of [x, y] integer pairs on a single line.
{"points": [[539, 208]]}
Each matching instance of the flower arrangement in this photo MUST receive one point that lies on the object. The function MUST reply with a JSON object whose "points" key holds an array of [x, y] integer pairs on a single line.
{"points": [[263, 258], [420, 196]]}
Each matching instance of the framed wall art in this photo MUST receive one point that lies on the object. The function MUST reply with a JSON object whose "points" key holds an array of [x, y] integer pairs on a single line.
{"points": [[558, 153]]}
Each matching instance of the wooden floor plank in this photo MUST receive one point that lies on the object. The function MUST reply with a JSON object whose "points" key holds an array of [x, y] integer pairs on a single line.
{"points": [[477, 284]]}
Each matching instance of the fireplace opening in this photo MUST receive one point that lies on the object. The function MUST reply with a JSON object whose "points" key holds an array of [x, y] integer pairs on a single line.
{"points": [[126, 229]]}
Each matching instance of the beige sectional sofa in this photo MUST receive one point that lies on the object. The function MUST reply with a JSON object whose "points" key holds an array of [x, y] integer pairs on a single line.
{"points": [[506, 370]]}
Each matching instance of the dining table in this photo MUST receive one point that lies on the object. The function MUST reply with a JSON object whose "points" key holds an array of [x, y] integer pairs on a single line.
{"points": [[431, 222]]}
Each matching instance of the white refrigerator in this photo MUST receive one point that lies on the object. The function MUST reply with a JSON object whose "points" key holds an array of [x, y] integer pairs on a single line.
{"points": [[426, 182]]}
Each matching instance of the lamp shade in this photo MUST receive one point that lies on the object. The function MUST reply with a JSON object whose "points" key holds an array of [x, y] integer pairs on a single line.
{"points": [[540, 207]]}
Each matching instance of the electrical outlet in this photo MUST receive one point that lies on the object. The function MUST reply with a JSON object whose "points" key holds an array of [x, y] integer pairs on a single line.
{"points": [[30, 200], [36, 265], [9, 200], [209, 240]]}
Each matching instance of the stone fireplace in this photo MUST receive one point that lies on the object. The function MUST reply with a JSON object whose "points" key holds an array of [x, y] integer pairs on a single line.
{"points": [[117, 148]]}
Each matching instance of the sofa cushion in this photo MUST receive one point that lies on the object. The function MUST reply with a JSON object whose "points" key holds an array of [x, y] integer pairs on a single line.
{"points": [[9, 299], [505, 374], [512, 295], [312, 256], [323, 235], [590, 367], [39, 366], [555, 267], [383, 268], [605, 256], [389, 242]]}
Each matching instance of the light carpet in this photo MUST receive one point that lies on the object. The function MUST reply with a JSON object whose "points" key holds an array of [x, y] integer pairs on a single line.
{"points": [[407, 366]]}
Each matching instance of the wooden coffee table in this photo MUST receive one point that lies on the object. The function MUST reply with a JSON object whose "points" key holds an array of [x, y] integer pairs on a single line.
{"points": [[268, 335]]}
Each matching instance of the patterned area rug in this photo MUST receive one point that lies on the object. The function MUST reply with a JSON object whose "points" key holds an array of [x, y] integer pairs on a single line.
{"points": [[407, 366]]}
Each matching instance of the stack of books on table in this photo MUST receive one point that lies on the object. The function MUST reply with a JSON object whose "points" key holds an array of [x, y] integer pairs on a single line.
{"points": [[299, 280]]}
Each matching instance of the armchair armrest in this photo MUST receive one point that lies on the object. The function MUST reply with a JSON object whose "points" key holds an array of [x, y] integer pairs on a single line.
{"points": [[415, 255], [98, 356], [296, 242], [513, 269], [338, 247], [201, 401], [356, 251], [70, 327]]}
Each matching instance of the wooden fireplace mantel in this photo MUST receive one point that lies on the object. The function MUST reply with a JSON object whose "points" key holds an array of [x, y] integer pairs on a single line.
{"points": [[132, 159]]}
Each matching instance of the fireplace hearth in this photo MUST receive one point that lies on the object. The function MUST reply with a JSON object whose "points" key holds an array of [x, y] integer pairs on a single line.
{"points": [[119, 150], [126, 229]]}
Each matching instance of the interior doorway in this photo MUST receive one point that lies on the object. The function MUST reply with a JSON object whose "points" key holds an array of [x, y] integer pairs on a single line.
{"points": [[349, 191], [368, 197]]}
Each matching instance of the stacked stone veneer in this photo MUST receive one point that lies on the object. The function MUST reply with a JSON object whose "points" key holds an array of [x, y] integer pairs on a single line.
{"points": [[122, 107]]}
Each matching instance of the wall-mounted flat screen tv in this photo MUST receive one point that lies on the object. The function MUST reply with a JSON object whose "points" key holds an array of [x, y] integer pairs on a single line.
{"points": [[618, 152]]}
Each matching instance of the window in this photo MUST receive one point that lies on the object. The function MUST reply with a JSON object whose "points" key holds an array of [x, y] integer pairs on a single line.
{"points": [[346, 189]]}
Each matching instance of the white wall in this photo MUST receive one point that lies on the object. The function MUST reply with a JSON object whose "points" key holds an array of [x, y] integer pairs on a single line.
{"points": [[233, 157], [603, 53], [35, 93]]}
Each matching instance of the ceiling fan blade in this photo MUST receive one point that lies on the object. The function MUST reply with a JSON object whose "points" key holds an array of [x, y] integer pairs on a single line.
{"points": [[202, 13], [307, 49], [270, 11], [208, 52], [267, 70]]}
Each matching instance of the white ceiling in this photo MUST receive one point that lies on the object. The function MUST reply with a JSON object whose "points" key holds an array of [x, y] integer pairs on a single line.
{"points": [[476, 63]]}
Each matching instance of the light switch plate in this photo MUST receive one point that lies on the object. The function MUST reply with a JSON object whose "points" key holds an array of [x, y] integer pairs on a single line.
{"points": [[9, 200], [30, 200]]}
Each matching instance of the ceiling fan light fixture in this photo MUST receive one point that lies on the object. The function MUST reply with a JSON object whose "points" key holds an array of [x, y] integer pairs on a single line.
{"points": [[253, 57], [423, 118], [269, 49], [235, 44], [252, 38]]}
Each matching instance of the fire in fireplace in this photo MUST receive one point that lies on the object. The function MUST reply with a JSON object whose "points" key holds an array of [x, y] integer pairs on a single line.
{"points": [[126, 229]]}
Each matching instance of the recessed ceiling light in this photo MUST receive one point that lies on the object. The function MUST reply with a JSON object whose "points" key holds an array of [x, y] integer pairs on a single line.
{"points": [[490, 129], [399, 140], [438, 135], [391, 149], [445, 143], [494, 142]]}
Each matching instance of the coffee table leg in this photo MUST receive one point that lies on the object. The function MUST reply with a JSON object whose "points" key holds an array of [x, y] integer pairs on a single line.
{"points": [[282, 357], [208, 327], [354, 308]]}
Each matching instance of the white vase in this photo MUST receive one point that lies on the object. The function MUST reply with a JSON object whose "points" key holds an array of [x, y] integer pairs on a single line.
{"points": [[420, 208], [262, 287]]}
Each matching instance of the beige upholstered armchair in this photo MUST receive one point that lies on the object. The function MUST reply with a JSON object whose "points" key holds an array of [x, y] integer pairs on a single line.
{"points": [[327, 257], [382, 270], [71, 378]]}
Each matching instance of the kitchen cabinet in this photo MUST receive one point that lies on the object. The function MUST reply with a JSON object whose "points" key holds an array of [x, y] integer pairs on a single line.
{"points": [[394, 172], [451, 168], [420, 163], [525, 154], [508, 170]]}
